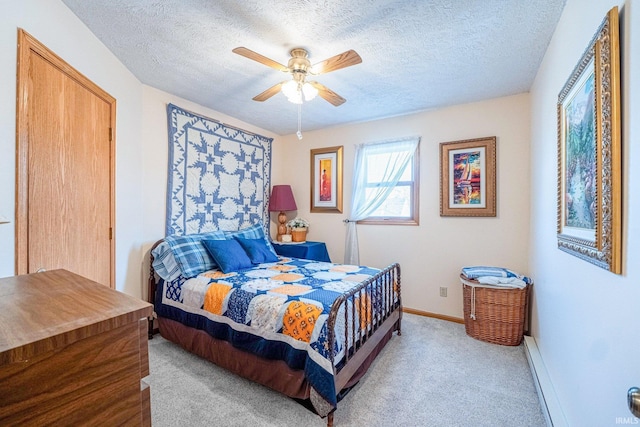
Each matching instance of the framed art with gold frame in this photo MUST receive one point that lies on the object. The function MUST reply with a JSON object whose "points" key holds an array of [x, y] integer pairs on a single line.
{"points": [[468, 177], [326, 180], [589, 158]]}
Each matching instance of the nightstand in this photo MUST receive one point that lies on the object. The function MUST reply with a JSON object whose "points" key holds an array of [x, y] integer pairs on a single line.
{"points": [[316, 251]]}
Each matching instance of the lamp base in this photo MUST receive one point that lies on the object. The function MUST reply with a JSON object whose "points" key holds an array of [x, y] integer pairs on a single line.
{"points": [[282, 228]]}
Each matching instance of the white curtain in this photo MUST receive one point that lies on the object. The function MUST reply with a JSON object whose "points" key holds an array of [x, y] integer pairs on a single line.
{"points": [[363, 202]]}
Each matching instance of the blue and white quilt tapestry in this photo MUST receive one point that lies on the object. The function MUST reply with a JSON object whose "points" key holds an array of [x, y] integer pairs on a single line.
{"points": [[219, 176]]}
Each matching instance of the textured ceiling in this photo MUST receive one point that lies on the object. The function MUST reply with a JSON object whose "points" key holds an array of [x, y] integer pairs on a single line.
{"points": [[416, 54]]}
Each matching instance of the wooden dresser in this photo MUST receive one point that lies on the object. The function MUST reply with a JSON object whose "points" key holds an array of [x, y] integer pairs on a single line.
{"points": [[72, 352]]}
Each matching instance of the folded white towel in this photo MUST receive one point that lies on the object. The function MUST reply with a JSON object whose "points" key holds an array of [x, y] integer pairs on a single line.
{"points": [[507, 282], [484, 271]]}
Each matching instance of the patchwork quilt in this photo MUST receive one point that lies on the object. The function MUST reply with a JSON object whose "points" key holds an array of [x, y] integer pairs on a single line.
{"points": [[278, 311]]}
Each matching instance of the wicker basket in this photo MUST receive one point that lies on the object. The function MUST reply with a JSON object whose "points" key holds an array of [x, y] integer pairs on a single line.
{"points": [[499, 312], [299, 234]]}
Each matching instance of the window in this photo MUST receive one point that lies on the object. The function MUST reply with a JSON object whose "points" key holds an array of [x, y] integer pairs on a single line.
{"points": [[389, 177]]}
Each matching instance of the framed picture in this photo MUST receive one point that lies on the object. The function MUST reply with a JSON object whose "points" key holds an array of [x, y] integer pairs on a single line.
{"points": [[326, 180], [589, 159], [468, 177]]}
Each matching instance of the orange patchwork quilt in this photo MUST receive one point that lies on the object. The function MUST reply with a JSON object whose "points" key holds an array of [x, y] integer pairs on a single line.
{"points": [[277, 310]]}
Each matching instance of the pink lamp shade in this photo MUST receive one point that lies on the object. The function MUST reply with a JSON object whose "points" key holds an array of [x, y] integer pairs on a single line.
{"points": [[282, 199]]}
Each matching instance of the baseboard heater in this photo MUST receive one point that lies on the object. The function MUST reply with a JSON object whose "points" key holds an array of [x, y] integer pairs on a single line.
{"points": [[548, 400]]}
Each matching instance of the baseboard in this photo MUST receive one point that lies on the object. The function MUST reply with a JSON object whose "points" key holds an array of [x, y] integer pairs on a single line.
{"points": [[434, 315], [548, 400]]}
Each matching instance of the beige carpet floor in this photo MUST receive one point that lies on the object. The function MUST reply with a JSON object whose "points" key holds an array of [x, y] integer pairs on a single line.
{"points": [[432, 375]]}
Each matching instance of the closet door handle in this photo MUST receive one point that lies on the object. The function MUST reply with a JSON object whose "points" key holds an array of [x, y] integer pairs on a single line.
{"points": [[633, 399]]}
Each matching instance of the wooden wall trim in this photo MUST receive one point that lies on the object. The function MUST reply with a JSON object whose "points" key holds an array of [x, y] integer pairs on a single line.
{"points": [[434, 315]]}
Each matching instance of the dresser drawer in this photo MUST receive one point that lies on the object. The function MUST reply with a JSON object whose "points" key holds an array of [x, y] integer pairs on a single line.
{"points": [[77, 359]]}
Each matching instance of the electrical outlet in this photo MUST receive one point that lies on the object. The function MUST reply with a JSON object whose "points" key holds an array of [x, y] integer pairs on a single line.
{"points": [[443, 291]]}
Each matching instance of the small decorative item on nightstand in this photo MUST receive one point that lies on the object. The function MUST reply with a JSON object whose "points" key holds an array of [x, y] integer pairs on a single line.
{"points": [[299, 234], [299, 227]]}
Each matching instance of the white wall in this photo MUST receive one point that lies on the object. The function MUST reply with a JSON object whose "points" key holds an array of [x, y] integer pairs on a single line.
{"points": [[53, 24], [141, 133], [585, 319], [432, 253]]}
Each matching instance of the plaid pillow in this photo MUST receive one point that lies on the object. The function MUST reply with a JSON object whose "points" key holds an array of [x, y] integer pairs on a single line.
{"points": [[164, 263], [191, 255]]}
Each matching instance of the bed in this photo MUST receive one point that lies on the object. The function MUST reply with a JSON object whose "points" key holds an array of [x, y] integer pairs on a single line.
{"points": [[307, 329]]}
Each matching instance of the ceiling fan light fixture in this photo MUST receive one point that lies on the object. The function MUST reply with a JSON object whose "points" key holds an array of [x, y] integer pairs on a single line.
{"points": [[299, 67], [297, 92], [291, 90], [296, 98], [309, 91]]}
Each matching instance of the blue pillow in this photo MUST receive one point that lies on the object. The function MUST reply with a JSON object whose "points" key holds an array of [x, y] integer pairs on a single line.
{"points": [[190, 254], [257, 250], [228, 254], [255, 231]]}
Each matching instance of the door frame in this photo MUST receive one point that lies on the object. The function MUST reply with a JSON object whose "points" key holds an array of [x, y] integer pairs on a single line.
{"points": [[27, 46]]}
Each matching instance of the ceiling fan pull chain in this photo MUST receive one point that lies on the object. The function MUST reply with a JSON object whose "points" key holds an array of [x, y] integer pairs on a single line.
{"points": [[299, 133]]}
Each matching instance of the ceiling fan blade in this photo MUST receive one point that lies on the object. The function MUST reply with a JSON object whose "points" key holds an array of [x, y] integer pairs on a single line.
{"points": [[268, 93], [345, 59], [247, 53], [328, 95]]}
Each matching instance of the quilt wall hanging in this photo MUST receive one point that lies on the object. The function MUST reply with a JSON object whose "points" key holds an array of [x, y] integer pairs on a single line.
{"points": [[219, 176]]}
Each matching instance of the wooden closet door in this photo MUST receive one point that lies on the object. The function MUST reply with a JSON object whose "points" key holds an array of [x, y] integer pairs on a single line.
{"points": [[68, 191]]}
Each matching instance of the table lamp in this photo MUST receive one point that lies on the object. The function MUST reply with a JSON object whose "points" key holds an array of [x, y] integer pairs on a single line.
{"points": [[282, 200]]}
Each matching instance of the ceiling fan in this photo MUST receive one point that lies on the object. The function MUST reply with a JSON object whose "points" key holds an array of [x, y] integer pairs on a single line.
{"points": [[300, 67]]}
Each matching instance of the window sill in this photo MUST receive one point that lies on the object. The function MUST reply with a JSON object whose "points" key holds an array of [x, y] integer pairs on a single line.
{"points": [[390, 221]]}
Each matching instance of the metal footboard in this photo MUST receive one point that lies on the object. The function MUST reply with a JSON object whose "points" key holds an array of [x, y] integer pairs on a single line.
{"points": [[370, 311]]}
